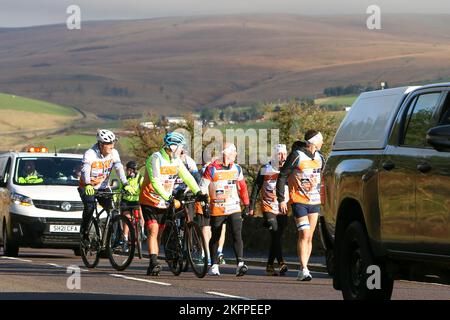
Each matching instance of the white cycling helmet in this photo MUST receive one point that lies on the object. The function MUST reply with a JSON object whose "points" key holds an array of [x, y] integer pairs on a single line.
{"points": [[106, 136]]}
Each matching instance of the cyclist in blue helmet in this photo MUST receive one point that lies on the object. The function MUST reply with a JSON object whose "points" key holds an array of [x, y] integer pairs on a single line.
{"points": [[163, 168]]}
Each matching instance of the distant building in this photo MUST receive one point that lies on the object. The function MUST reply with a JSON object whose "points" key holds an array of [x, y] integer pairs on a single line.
{"points": [[147, 125], [347, 109], [175, 120]]}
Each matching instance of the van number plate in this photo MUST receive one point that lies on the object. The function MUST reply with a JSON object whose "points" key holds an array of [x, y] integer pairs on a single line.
{"points": [[64, 228]]}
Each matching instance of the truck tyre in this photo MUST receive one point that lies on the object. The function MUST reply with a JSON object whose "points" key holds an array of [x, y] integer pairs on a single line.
{"points": [[356, 256], [329, 256], [10, 249]]}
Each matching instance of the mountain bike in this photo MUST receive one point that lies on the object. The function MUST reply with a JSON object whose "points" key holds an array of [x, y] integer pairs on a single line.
{"points": [[105, 234], [137, 226], [182, 235]]}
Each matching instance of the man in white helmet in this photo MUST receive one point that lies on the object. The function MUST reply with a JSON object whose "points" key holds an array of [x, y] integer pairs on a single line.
{"points": [[95, 172]]}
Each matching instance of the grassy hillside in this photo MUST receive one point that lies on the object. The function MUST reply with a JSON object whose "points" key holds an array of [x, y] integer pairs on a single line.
{"points": [[16, 103], [22, 119], [336, 101], [175, 65]]}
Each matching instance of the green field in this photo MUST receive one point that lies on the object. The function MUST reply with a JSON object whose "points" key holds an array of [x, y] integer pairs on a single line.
{"points": [[16, 103], [336, 101], [82, 142]]}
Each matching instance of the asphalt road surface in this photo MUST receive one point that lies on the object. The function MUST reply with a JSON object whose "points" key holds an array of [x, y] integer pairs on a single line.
{"points": [[43, 274]]}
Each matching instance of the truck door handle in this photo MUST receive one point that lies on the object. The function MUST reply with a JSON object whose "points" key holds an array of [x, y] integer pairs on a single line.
{"points": [[424, 167], [388, 166]]}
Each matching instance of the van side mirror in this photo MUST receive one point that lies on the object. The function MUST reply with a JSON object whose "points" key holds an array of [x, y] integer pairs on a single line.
{"points": [[439, 138]]}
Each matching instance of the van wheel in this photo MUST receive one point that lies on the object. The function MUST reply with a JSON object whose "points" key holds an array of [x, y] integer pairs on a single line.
{"points": [[10, 249], [356, 257]]}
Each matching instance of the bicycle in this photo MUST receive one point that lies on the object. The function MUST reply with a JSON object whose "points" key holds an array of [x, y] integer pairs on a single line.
{"points": [[137, 226], [107, 235], [178, 238]]}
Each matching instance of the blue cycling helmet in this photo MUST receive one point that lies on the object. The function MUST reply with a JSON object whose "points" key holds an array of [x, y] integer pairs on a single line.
{"points": [[174, 138]]}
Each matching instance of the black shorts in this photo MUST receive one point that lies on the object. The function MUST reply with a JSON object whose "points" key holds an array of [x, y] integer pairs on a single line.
{"points": [[302, 210], [202, 221], [129, 205], [154, 215]]}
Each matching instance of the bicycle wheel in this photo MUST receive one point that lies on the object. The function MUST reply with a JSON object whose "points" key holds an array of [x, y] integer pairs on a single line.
{"points": [[172, 248], [90, 249], [120, 247], [196, 249]]}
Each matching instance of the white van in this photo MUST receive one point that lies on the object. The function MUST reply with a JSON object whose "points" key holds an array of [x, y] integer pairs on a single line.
{"points": [[39, 202]]}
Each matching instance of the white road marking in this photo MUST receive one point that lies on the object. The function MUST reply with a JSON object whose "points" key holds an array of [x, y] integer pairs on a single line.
{"points": [[138, 279], [227, 295], [55, 265], [18, 259]]}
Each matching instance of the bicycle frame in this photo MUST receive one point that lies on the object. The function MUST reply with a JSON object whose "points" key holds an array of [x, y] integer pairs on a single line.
{"points": [[109, 214]]}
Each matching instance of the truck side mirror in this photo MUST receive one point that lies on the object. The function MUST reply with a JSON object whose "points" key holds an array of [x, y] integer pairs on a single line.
{"points": [[439, 138]]}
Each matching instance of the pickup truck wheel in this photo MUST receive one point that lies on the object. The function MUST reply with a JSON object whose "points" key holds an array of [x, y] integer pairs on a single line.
{"points": [[329, 256], [356, 257], [9, 248]]}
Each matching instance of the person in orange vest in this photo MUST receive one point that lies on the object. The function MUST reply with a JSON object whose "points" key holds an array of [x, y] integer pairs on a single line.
{"points": [[274, 220], [302, 171], [224, 182]]}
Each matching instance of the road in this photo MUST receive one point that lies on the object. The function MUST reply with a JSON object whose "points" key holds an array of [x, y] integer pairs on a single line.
{"points": [[42, 274]]}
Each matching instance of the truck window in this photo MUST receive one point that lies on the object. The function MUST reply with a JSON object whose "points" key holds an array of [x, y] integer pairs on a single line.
{"points": [[445, 118], [420, 118]]}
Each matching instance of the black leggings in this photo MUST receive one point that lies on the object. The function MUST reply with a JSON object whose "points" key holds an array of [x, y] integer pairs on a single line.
{"points": [[234, 221], [89, 208], [276, 223]]}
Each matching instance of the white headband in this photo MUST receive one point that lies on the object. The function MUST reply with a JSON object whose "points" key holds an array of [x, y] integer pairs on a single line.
{"points": [[229, 149], [280, 148], [316, 139]]}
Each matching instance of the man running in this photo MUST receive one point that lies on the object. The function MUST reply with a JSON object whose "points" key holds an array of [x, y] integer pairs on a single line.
{"points": [[224, 182], [274, 220], [302, 170]]}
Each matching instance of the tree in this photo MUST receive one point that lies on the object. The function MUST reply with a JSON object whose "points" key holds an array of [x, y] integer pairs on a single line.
{"points": [[295, 118], [209, 114]]}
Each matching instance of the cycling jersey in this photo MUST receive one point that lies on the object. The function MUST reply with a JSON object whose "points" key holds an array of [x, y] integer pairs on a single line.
{"points": [[160, 177], [136, 184], [266, 181], [97, 168], [192, 168], [302, 171], [226, 187]]}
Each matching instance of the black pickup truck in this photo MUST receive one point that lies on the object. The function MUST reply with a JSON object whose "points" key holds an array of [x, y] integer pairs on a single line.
{"points": [[386, 197]]}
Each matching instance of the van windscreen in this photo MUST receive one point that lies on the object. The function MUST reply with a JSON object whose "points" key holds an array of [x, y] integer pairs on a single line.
{"points": [[47, 171]]}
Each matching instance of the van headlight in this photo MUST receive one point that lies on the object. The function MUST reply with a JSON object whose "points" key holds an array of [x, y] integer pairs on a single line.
{"points": [[18, 198]]}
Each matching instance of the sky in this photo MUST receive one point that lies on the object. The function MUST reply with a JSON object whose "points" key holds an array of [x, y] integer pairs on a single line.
{"points": [[21, 13]]}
